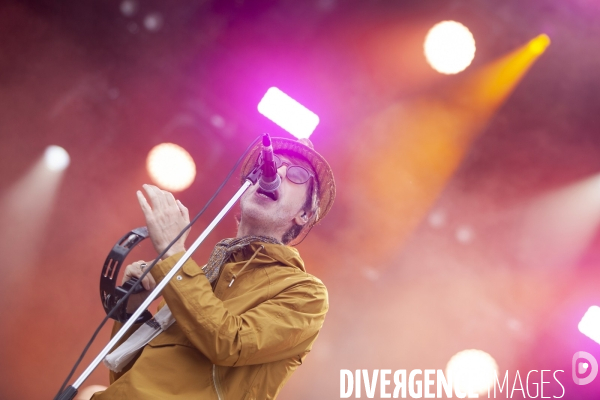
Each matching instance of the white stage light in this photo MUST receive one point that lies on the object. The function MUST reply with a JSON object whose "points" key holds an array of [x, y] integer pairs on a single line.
{"points": [[590, 324], [288, 113], [56, 158], [472, 371], [449, 47], [171, 167]]}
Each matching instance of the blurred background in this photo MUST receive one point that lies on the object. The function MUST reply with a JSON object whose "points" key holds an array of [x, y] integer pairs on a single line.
{"points": [[468, 206]]}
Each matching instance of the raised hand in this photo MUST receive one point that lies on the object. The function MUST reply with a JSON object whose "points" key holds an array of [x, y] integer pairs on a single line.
{"points": [[165, 218]]}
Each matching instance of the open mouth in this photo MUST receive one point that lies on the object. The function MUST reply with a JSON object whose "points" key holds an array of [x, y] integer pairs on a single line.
{"points": [[271, 195]]}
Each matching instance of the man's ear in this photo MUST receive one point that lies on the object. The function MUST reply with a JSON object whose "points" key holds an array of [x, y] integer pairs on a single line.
{"points": [[303, 217]]}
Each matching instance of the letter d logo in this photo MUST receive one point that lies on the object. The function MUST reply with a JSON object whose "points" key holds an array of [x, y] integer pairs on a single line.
{"points": [[579, 368]]}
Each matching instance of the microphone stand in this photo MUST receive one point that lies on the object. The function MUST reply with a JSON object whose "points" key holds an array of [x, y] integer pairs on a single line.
{"points": [[70, 391]]}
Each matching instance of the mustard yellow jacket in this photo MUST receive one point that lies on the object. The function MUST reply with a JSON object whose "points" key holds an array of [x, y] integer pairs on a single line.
{"points": [[241, 341]]}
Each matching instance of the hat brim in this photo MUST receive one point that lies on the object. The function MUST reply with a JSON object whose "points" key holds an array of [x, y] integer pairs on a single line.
{"points": [[325, 180]]}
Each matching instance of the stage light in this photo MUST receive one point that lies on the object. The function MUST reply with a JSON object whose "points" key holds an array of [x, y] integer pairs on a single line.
{"points": [[56, 158], [472, 371], [428, 139], [590, 324], [558, 226], [171, 167], [538, 44], [449, 47], [25, 210], [288, 113]]}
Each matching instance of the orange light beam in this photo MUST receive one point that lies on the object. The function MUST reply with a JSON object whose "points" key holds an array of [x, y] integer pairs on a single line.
{"points": [[414, 149]]}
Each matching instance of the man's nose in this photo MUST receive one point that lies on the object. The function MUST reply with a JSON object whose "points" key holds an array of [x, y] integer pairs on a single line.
{"points": [[282, 171]]}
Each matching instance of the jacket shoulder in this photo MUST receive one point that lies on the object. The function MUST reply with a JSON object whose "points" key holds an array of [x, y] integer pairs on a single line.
{"points": [[292, 276], [307, 288]]}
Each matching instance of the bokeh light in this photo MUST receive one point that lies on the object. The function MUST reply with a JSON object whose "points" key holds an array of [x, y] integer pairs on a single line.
{"points": [[153, 22], [449, 47], [437, 218], [171, 167], [472, 371], [128, 7], [56, 158], [464, 234]]}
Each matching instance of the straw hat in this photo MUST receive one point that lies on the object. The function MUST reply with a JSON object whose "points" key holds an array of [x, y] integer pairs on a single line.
{"points": [[302, 149]]}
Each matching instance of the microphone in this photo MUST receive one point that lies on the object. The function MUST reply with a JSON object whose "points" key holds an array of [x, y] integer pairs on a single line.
{"points": [[269, 180]]}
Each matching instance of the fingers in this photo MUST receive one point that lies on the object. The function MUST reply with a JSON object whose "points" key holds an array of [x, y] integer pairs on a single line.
{"points": [[165, 218], [151, 192], [135, 270], [169, 198], [184, 211], [146, 209], [158, 198], [148, 282]]}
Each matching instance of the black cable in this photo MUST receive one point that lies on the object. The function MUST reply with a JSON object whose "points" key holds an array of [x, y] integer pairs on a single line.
{"points": [[147, 270]]}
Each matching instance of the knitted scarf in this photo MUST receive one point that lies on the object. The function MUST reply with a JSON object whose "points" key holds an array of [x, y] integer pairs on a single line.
{"points": [[225, 248]]}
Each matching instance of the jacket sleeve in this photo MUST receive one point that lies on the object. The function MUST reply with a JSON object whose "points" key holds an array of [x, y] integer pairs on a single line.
{"points": [[280, 327]]}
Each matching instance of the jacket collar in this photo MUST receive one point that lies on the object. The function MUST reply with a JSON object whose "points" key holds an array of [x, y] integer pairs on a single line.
{"points": [[271, 254]]}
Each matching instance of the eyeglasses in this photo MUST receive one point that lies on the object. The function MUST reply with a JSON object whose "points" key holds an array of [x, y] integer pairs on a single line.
{"points": [[295, 173]]}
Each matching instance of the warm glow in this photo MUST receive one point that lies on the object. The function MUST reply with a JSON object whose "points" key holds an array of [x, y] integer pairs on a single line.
{"points": [[449, 47], [472, 371], [420, 145], [171, 167]]}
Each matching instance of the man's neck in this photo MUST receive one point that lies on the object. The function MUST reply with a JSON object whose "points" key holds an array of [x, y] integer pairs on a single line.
{"points": [[257, 231]]}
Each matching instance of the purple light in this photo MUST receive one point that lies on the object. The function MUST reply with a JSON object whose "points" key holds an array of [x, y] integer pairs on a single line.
{"points": [[590, 324], [288, 113]]}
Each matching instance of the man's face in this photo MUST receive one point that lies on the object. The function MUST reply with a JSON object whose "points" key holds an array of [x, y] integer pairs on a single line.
{"points": [[277, 215]]}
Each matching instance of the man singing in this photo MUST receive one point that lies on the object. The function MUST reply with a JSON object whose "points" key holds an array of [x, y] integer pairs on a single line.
{"points": [[238, 327]]}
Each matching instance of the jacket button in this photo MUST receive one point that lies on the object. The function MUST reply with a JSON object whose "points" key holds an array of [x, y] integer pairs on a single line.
{"points": [[179, 277]]}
